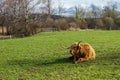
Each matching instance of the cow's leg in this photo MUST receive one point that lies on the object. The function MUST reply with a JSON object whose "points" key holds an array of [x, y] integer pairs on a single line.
{"points": [[76, 58], [81, 59], [84, 59]]}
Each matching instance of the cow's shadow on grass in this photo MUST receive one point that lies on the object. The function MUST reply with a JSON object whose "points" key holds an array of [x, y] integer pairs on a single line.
{"points": [[108, 59], [57, 61], [39, 62]]}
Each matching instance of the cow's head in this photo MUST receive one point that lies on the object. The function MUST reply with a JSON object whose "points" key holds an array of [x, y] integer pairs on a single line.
{"points": [[74, 48]]}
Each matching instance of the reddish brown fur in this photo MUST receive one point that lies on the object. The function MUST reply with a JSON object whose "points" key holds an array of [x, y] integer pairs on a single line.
{"points": [[82, 52]]}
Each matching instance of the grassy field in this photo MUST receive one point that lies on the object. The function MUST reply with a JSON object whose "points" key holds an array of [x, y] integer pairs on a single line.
{"points": [[41, 57]]}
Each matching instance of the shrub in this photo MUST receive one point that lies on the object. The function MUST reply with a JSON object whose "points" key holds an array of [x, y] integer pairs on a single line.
{"points": [[99, 24], [109, 22], [61, 24], [117, 22], [82, 24]]}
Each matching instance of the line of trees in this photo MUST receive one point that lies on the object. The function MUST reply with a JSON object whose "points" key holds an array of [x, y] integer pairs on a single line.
{"points": [[97, 18], [14, 15], [27, 17]]}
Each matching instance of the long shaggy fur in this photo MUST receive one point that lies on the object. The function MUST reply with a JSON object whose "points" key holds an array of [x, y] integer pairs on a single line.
{"points": [[82, 52]]}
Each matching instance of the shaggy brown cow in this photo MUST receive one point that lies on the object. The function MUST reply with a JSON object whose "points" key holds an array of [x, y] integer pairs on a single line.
{"points": [[82, 52]]}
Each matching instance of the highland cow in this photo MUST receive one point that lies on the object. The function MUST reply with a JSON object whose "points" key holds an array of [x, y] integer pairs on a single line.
{"points": [[81, 52]]}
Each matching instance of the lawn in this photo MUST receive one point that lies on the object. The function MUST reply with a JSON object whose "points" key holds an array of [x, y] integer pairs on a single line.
{"points": [[41, 57]]}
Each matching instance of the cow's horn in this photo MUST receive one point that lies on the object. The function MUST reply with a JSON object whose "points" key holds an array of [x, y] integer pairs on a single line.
{"points": [[79, 42], [65, 47]]}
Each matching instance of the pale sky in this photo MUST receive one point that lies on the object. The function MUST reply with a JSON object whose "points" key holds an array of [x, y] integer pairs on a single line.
{"points": [[84, 3]]}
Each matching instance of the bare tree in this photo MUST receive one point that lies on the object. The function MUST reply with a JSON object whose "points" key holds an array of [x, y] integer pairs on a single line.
{"points": [[2, 16], [76, 12], [96, 11], [60, 8], [16, 15], [1, 7], [113, 5], [79, 12], [49, 4], [108, 12]]}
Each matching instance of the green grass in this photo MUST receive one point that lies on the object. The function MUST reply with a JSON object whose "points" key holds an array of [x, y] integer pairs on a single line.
{"points": [[41, 57]]}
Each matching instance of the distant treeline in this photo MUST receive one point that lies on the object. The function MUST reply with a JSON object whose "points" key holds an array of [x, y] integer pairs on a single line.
{"points": [[17, 18]]}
